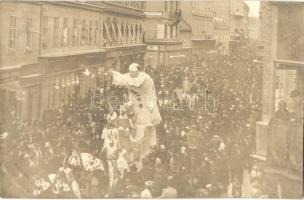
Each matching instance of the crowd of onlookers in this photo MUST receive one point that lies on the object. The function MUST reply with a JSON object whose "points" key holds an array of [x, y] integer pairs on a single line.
{"points": [[208, 108]]}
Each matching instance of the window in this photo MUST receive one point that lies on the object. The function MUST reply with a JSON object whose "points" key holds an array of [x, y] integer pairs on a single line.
{"points": [[90, 39], [168, 31], [161, 28], [96, 32], [136, 32], [28, 33], [127, 30], [83, 33], [65, 33], [122, 29], [56, 32], [132, 32], [105, 38], [142, 3], [171, 6], [115, 29], [46, 34], [174, 33], [75, 33], [12, 33]]}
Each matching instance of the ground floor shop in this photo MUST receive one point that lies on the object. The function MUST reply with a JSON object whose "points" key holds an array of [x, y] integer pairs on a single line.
{"points": [[121, 57], [200, 47], [167, 53], [29, 90]]}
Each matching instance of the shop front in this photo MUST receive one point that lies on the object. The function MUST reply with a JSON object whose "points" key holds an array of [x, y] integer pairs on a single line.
{"points": [[121, 57], [10, 103], [200, 47], [166, 53], [70, 76], [20, 94]]}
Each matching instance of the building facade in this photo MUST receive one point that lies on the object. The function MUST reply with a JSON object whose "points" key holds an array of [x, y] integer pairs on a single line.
{"points": [[19, 51], [52, 50], [161, 32], [279, 144], [185, 36], [254, 28], [123, 33], [222, 36], [235, 14], [199, 14]]}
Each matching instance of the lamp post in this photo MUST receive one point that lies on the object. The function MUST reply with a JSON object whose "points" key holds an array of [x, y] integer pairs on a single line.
{"points": [[193, 140]]}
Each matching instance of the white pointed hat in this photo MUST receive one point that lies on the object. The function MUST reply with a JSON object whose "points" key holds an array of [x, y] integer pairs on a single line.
{"points": [[133, 67]]}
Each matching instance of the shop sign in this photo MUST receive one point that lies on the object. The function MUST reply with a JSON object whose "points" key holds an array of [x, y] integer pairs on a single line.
{"points": [[152, 47]]}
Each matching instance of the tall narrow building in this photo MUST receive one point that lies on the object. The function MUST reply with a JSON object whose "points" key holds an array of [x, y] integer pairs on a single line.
{"points": [[161, 32]]}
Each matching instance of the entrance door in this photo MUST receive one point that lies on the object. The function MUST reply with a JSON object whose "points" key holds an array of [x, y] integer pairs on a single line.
{"points": [[8, 107]]}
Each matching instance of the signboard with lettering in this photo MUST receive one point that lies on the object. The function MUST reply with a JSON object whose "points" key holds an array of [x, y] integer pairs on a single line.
{"points": [[152, 47]]}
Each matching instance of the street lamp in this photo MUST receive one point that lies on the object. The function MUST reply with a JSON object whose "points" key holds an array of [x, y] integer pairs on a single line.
{"points": [[193, 140]]}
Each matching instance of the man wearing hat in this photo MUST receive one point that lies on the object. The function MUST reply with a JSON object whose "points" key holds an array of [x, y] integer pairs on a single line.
{"points": [[142, 97]]}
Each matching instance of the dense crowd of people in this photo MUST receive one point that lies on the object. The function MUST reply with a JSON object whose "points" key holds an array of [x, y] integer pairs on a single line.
{"points": [[204, 142]]}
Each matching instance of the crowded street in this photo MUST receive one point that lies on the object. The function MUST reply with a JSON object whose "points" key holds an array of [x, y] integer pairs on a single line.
{"points": [[66, 153], [151, 99]]}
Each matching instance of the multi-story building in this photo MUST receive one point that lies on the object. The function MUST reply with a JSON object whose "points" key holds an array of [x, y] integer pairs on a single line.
{"points": [[161, 32], [199, 14], [50, 50], [123, 32], [235, 14], [254, 28], [279, 143], [185, 31], [19, 54], [222, 36]]}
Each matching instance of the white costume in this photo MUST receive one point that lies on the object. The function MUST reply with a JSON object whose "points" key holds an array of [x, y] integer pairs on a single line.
{"points": [[143, 99]]}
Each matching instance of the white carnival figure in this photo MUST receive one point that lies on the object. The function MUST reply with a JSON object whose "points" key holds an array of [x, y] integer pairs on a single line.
{"points": [[142, 98]]}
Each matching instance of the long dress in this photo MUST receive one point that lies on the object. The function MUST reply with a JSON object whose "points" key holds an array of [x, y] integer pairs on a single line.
{"points": [[143, 99]]}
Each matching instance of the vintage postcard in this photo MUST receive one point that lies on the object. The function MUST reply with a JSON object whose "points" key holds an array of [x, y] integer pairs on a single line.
{"points": [[151, 99]]}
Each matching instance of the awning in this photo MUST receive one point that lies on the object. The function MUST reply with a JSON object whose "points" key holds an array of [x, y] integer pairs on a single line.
{"points": [[11, 86], [289, 64], [71, 53]]}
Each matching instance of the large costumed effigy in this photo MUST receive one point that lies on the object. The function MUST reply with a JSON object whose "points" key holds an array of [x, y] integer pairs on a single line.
{"points": [[141, 106], [131, 128]]}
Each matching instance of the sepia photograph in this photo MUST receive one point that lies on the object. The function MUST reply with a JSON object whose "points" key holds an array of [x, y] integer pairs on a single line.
{"points": [[151, 99]]}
